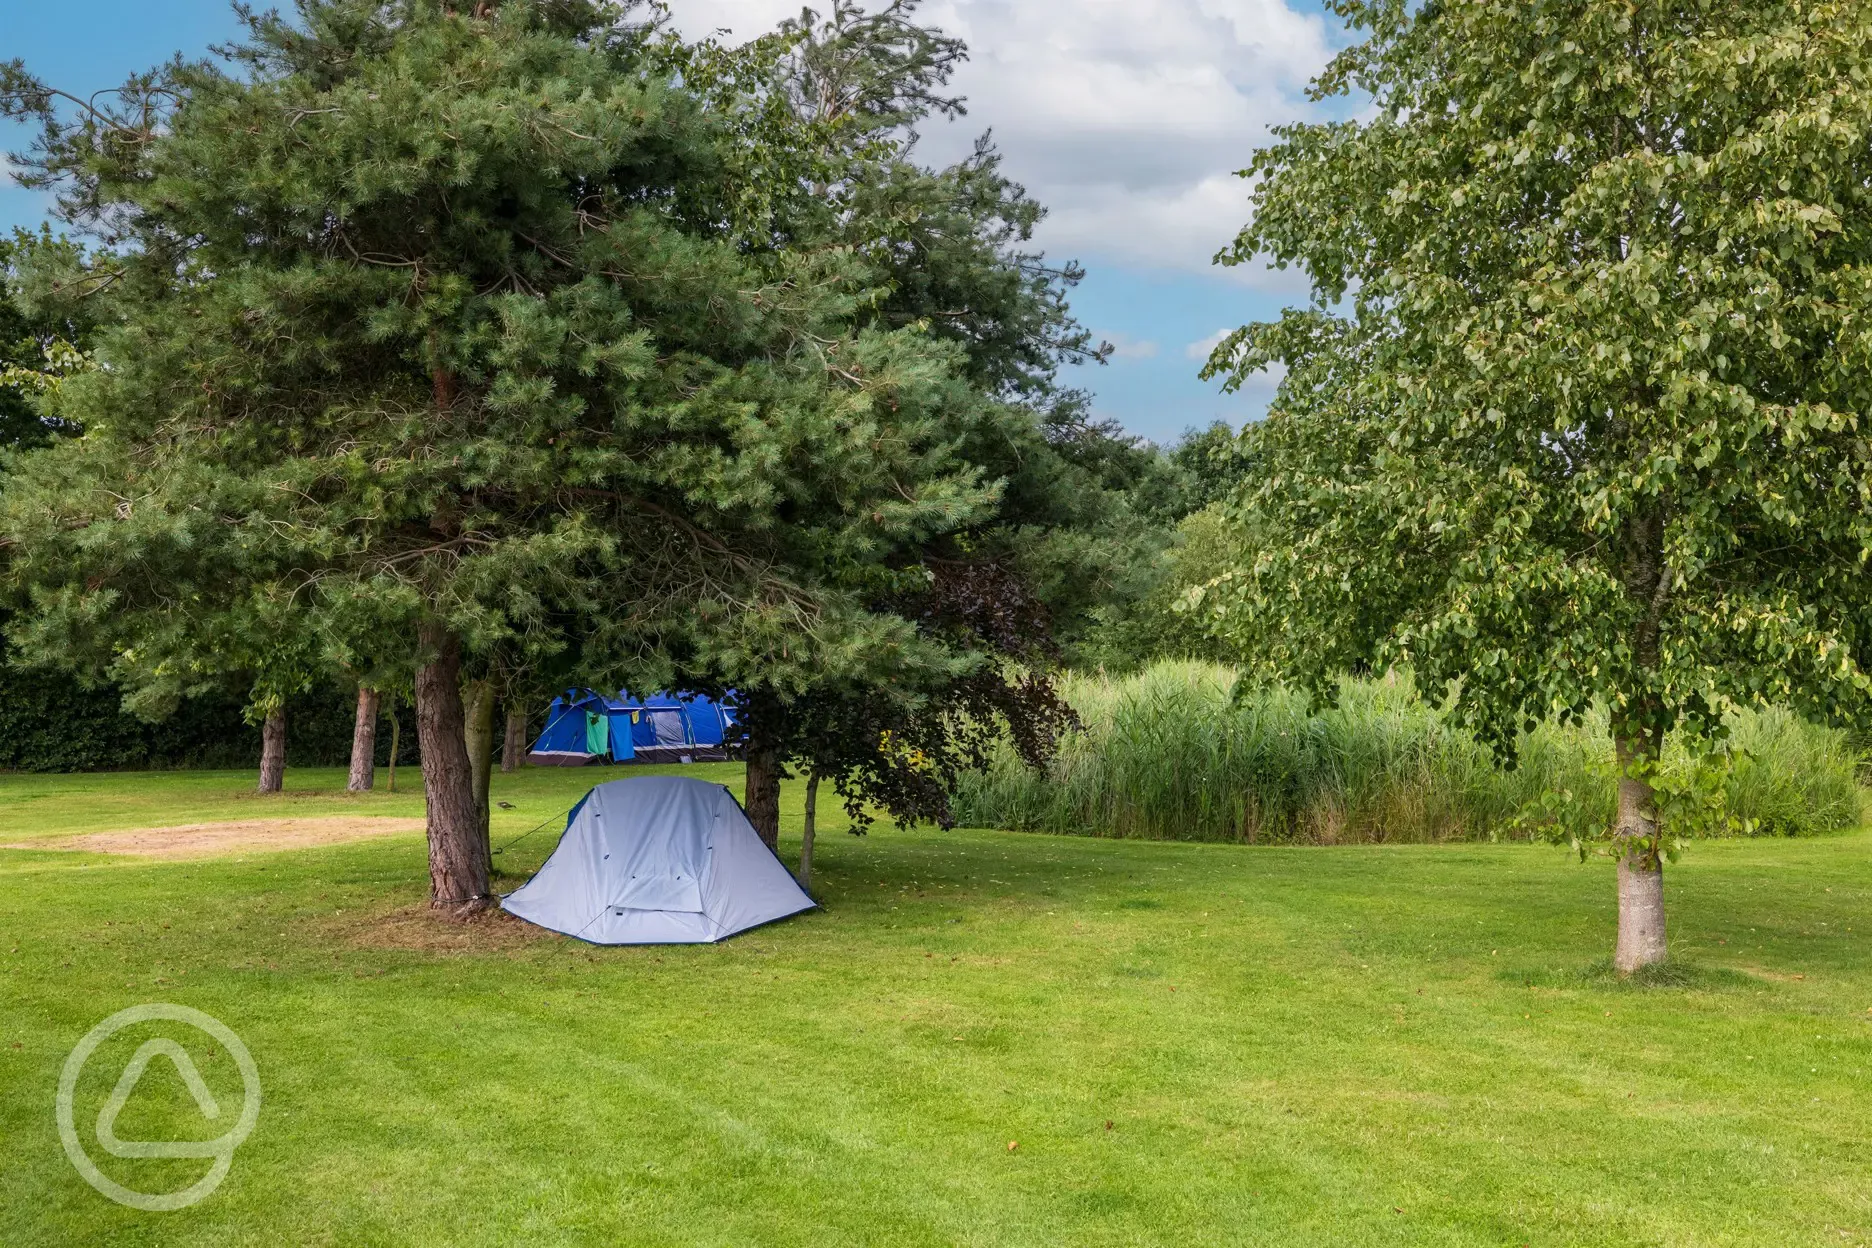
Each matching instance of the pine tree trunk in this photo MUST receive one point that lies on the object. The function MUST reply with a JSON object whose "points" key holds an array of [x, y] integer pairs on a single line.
{"points": [[1640, 868], [364, 743], [478, 734], [513, 746], [396, 743], [761, 798], [458, 861], [273, 751], [806, 842]]}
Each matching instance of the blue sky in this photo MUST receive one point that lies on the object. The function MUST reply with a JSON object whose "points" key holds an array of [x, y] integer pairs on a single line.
{"points": [[1126, 117]]}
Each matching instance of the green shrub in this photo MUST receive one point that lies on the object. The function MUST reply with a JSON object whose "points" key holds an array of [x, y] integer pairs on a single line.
{"points": [[1169, 754]]}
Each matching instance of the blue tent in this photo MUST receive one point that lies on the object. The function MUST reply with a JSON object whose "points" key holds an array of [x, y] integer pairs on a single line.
{"points": [[677, 722], [586, 727], [583, 727]]}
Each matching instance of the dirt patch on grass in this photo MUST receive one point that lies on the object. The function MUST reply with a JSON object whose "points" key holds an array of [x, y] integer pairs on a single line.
{"points": [[418, 929], [216, 840]]}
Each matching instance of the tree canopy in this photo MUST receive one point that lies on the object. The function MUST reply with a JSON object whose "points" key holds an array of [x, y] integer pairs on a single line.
{"points": [[42, 338], [429, 326], [1577, 412], [826, 157]]}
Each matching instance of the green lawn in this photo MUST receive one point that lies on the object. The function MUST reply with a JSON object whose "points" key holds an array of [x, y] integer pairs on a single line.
{"points": [[1191, 1044]]}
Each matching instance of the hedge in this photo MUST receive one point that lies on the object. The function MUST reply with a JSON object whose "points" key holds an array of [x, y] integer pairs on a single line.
{"points": [[51, 723]]}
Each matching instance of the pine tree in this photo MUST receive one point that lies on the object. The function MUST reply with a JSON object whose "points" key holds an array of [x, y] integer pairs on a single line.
{"points": [[421, 324], [826, 156]]}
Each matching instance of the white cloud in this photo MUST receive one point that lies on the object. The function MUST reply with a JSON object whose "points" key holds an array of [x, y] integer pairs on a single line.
{"points": [[1261, 387], [1127, 118], [1258, 386], [1128, 346], [743, 19], [1203, 348]]}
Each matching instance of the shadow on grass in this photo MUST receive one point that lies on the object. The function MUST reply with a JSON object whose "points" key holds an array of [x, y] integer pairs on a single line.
{"points": [[1677, 975]]}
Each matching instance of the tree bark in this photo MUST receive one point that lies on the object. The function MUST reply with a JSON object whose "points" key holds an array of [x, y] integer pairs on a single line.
{"points": [[513, 746], [364, 743], [478, 735], [458, 859], [1640, 866], [273, 751], [761, 798], [396, 743], [1640, 743], [806, 842]]}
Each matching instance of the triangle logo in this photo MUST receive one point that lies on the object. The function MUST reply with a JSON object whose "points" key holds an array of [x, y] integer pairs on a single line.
{"points": [[126, 1084]]}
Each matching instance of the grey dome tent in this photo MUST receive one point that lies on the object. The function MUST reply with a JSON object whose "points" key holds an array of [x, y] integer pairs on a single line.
{"points": [[658, 860]]}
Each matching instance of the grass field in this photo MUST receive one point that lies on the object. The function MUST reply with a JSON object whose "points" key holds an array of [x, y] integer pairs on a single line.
{"points": [[1189, 1044]]}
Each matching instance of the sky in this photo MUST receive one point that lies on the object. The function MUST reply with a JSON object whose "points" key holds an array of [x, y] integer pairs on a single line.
{"points": [[1127, 118]]}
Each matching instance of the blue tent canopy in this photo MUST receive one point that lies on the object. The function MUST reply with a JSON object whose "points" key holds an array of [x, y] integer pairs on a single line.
{"points": [[584, 727]]}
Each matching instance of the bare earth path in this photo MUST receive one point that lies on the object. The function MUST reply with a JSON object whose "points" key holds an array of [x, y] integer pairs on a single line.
{"points": [[211, 840]]}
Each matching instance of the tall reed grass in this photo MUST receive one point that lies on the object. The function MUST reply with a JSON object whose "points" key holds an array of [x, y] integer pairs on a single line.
{"points": [[1169, 754]]}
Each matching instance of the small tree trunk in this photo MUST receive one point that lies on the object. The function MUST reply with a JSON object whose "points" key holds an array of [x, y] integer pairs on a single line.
{"points": [[513, 746], [478, 734], [761, 798], [806, 842], [458, 860], [364, 743], [273, 751], [1640, 867], [1640, 914], [396, 743]]}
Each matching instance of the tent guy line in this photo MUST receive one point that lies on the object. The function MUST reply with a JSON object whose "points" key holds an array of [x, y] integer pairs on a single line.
{"points": [[547, 822]]}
